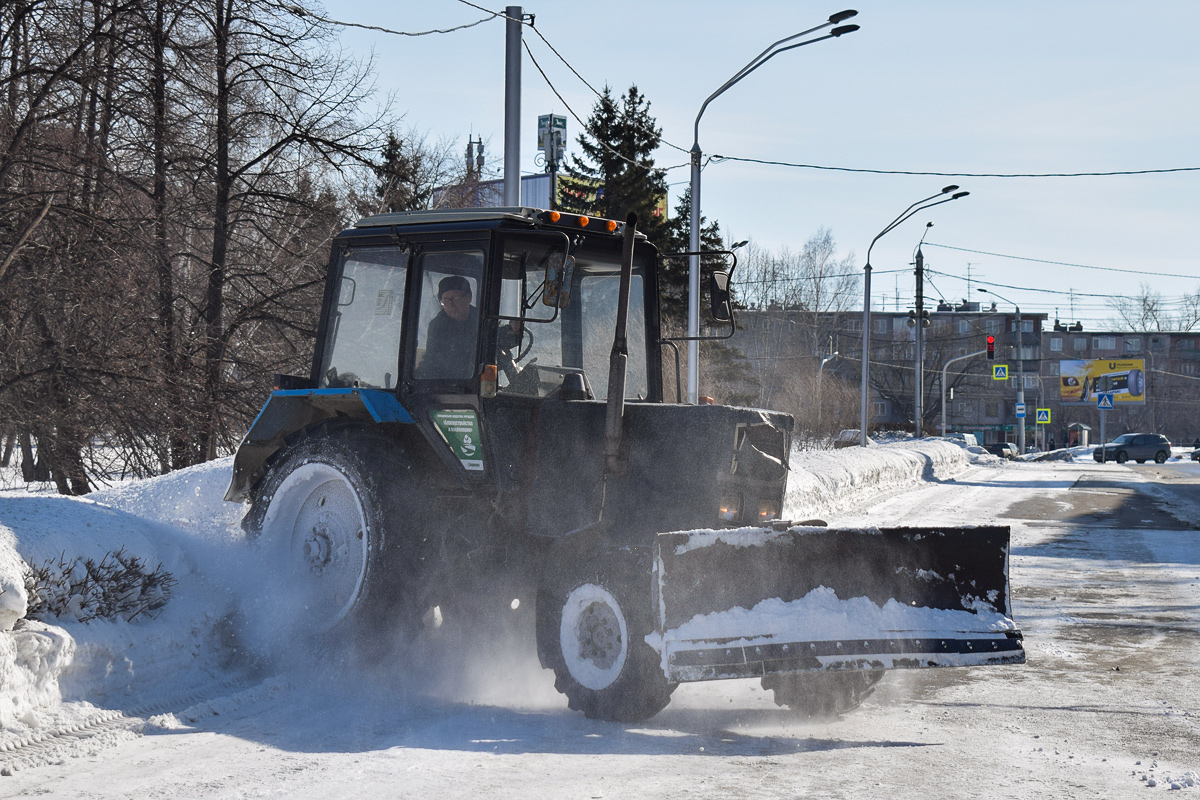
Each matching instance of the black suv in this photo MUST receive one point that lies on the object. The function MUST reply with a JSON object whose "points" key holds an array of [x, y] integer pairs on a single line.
{"points": [[1141, 447]]}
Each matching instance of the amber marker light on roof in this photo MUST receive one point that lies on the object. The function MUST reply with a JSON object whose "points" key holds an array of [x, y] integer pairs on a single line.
{"points": [[555, 216], [611, 225], [583, 222]]}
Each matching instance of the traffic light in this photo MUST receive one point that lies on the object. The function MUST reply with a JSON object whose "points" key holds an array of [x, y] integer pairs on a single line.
{"points": [[991, 348]]}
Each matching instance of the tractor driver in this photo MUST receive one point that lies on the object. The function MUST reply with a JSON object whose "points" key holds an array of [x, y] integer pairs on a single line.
{"points": [[452, 333]]}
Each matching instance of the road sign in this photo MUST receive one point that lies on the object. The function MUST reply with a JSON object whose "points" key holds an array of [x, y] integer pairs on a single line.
{"points": [[1043, 416], [1000, 372], [1104, 400], [1020, 407]]}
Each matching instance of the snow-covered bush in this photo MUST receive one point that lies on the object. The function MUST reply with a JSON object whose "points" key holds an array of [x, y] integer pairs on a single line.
{"points": [[119, 585]]}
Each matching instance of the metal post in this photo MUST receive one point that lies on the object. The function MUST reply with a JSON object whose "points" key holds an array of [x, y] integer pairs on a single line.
{"points": [[946, 367], [919, 391], [865, 388], [512, 106], [693, 374], [1020, 386]]}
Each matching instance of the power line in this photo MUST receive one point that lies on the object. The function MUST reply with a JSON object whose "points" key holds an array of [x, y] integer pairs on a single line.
{"points": [[575, 72], [582, 123], [1063, 263], [720, 158], [303, 12]]}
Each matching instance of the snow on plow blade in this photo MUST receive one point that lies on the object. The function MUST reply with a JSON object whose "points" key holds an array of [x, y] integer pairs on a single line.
{"points": [[754, 601]]}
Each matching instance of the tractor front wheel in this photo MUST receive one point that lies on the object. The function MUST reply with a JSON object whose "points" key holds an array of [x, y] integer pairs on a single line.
{"points": [[591, 628]]}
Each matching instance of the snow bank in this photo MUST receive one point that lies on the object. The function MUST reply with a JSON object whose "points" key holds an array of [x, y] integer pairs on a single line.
{"points": [[174, 521], [823, 482]]}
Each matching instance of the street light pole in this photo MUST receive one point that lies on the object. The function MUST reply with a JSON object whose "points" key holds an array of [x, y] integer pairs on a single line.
{"points": [[696, 157], [864, 389], [1020, 372]]}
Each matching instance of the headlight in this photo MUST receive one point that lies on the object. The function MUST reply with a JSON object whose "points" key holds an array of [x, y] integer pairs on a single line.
{"points": [[730, 509], [767, 512]]}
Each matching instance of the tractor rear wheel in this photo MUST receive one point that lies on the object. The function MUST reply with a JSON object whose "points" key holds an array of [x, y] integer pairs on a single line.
{"points": [[332, 513], [592, 621], [822, 695]]}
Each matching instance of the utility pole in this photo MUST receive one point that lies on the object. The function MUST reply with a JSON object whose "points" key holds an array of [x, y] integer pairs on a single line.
{"points": [[1020, 385], [920, 320], [512, 106]]}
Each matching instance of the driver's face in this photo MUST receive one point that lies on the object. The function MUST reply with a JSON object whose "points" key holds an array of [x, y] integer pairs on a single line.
{"points": [[456, 304]]}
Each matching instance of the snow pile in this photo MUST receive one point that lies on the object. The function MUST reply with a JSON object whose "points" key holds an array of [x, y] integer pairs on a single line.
{"points": [[62, 659], [823, 482], [822, 616]]}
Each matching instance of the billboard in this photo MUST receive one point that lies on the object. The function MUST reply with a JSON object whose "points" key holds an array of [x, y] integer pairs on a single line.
{"points": [[1080, 381]]}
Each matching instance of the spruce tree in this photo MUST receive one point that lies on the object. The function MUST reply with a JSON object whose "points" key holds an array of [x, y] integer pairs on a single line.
{"points": [[615, 173]]}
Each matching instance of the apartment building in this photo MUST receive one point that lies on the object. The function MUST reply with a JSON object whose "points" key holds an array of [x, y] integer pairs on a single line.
{"points": [[787, 347]]}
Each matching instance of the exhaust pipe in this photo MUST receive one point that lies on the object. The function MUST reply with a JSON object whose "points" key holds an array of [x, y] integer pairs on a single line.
{"points": [[618, 360]]}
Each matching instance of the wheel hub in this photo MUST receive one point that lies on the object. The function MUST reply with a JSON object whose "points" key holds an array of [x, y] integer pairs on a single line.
{"points": [[317, 548], [599, 635]]}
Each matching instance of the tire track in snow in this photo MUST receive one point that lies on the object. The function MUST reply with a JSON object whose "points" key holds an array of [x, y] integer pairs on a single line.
{"points": [[107, 727]]}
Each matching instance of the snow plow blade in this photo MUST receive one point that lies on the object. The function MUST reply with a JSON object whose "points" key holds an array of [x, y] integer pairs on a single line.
{"points": [[761, 601]]}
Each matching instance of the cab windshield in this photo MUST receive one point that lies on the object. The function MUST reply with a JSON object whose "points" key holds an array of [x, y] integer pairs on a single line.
{"points": [[537, 349]]}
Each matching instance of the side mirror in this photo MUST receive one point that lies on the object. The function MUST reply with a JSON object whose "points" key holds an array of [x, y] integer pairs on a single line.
{"points": [[718, 295], [556, 291]]}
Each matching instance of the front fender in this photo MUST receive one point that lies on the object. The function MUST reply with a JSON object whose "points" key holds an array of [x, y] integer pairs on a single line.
{"points": [[287, 411]]}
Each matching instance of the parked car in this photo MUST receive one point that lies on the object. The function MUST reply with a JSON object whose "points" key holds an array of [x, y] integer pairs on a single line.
{"points": [[1002, 449], [966, 438], [1196, 455], [1141, 447]]}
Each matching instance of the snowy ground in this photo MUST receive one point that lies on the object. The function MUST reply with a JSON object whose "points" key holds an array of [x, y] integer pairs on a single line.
{"points": [[189, 704]]}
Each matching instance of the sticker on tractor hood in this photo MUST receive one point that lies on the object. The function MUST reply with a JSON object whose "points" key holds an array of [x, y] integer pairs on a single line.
{"points": [[460, 428]]}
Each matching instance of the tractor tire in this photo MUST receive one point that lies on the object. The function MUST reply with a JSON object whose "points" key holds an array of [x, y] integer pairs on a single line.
{"points": [[1122, 456], [334, 511], [822, 695], [591, 627]]}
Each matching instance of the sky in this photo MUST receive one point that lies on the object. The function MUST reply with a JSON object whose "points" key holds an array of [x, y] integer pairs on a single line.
{"points": [[940, 87]]}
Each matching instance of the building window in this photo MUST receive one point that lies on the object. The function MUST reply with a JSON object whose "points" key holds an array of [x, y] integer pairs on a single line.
{"points": [[991, 325], [1104, 342], [964, 326], [1188, 368], [1133, 345], [854, 324], [1158, 343], [992, 409], [881, 325], [1056, 344], [1079, 344], [1027, 353], [1031, 381], [881, 409], [1051, 367], [1027, 326]]}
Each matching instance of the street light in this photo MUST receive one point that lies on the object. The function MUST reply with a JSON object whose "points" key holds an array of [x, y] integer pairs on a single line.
{"points": [[693, 334], [1020, 371], [916, 207]]}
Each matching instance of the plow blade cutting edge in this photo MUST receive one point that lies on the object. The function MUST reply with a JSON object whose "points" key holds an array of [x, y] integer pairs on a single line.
{"points": [[754, 601]]}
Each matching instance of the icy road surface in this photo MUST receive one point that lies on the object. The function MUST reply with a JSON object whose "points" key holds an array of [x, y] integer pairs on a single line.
{"points": [[1106, 587]]}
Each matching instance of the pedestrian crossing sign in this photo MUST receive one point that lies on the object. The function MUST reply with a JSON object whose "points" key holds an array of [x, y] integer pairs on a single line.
{"points": [[1104, 400], [1043, 416], [1000, 372]]}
